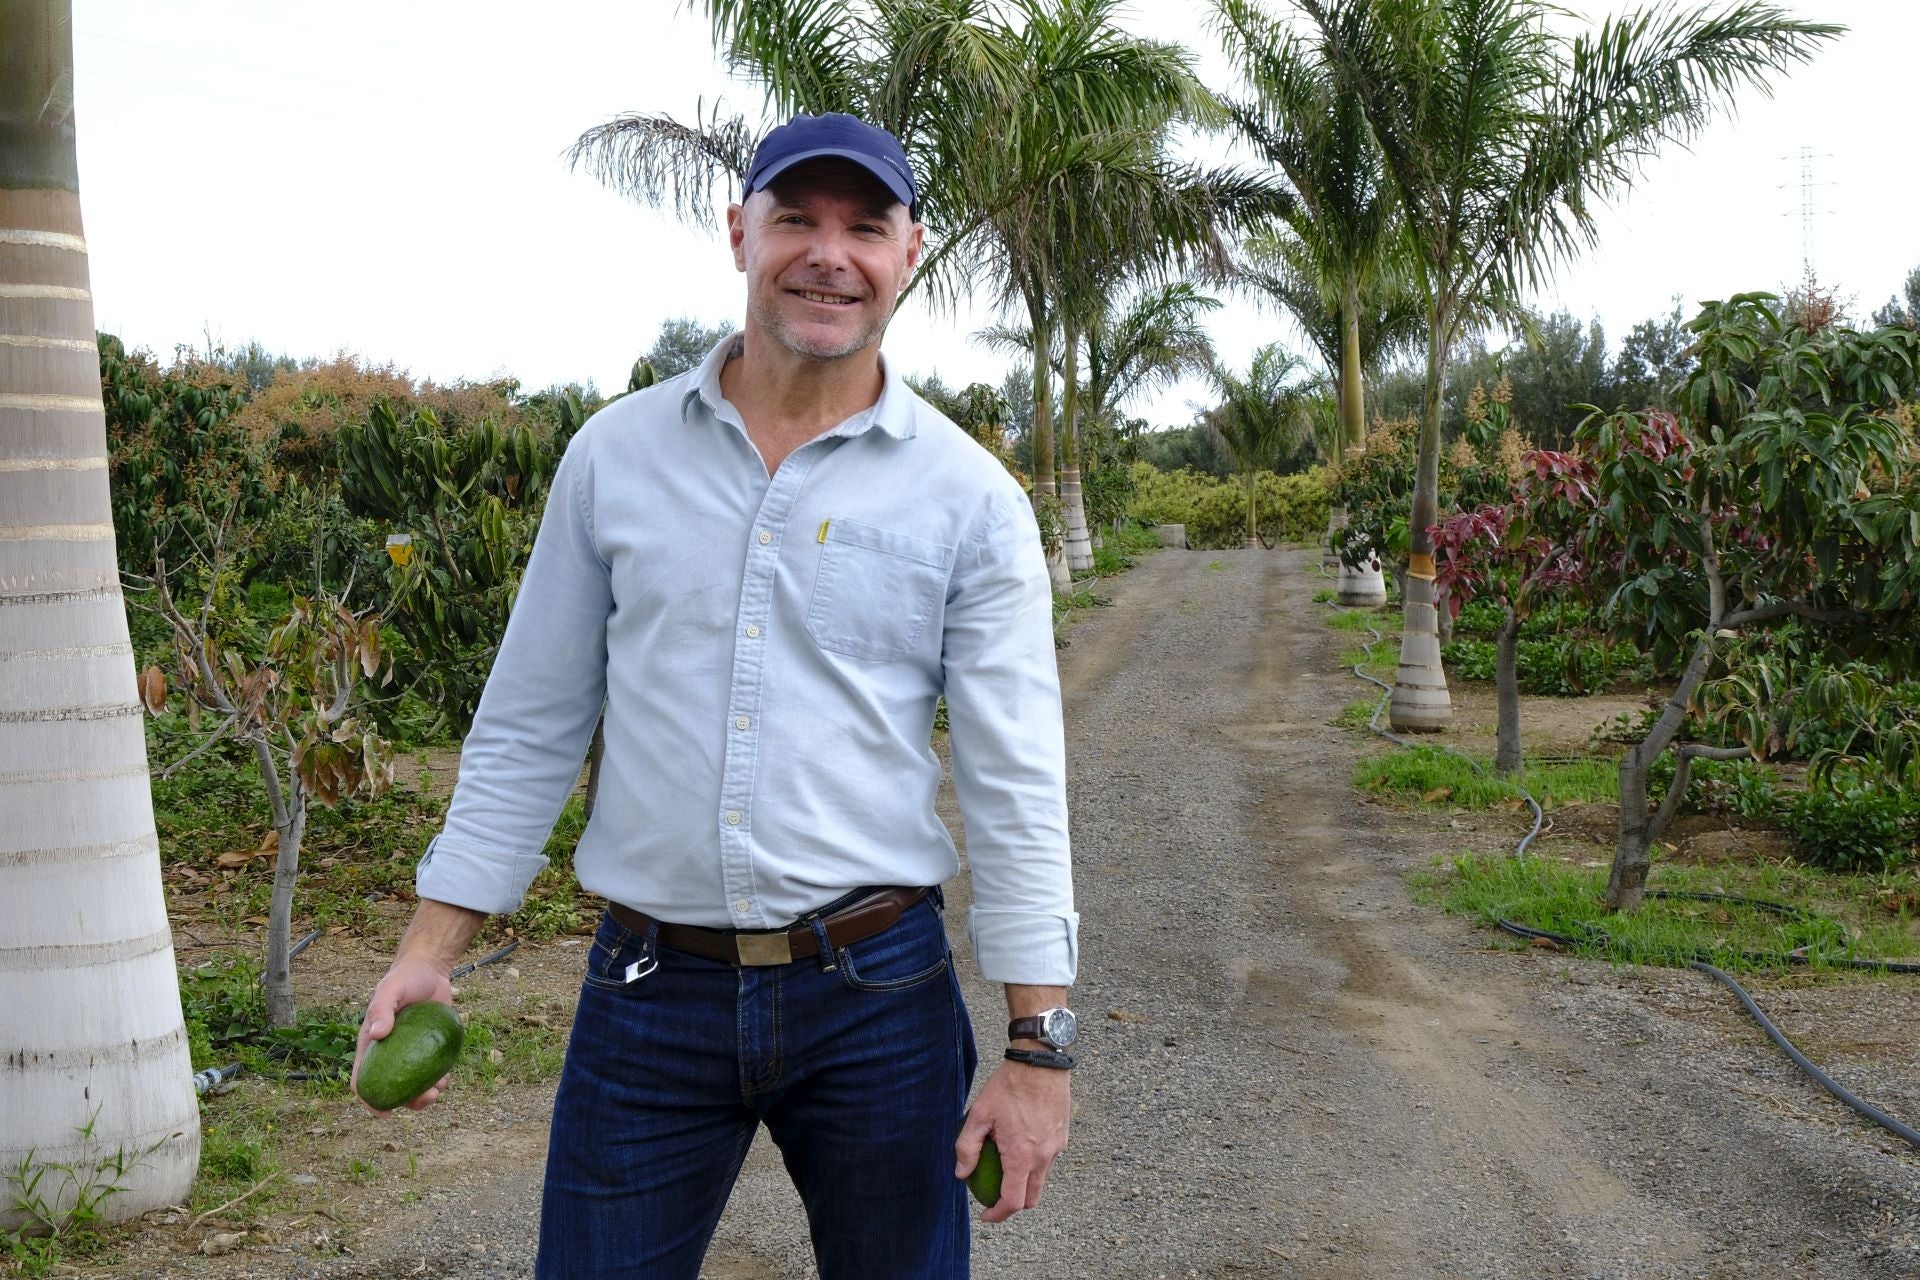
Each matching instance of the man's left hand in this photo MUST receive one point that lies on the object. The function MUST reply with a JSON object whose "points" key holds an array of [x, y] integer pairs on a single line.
{"points": [[1025, 1109]]}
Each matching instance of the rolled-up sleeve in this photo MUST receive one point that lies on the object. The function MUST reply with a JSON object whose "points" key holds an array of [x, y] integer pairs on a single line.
{"points": [[521, 758], [1009, 752]]}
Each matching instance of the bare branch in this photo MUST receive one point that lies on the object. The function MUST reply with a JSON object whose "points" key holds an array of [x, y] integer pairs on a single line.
{"points": [[219, 731]]}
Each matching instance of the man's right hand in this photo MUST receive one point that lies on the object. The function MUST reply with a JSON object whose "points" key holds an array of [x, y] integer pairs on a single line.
{"points": [[409, 981]]}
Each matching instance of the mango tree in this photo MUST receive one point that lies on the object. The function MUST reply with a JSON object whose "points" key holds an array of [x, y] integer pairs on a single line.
{"points": [[462, 508], [1522, 554], [1781, 490], [294, 703]]}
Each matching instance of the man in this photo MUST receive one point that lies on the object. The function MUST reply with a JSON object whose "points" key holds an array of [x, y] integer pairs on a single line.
{"points": [[770, 569]]}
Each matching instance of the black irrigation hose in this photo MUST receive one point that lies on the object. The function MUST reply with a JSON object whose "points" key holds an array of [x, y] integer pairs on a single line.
{"points": [[489, 958], [1800, 1060]]}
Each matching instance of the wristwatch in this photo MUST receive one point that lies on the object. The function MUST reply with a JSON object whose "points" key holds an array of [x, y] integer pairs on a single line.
{"points": [[1055, 1028]]}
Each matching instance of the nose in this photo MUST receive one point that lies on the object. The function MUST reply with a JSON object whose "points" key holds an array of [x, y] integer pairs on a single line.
{"points": [[827, 250]]}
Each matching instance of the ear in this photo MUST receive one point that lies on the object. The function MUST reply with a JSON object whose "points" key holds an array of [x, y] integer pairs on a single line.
{"points": [[737, 235], [916, 240]]}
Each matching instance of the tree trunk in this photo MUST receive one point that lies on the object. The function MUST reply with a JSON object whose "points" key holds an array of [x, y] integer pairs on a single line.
{"points": [[1506, 758], [1639, 825], [1353, 417], [89, 994], [1079, 546], [1420, 703], [1336, 521], [290, 828], [1043, 478], [1253, 515]]}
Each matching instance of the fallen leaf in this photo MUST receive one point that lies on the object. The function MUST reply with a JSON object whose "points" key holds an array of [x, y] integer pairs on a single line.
{"points": [[1547, 943], [255, 920], [222, 1242], [1125, 1015], [1438, 793]]}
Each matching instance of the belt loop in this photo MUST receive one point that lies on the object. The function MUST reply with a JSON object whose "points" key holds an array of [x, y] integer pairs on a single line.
{"points": [[828, 961], [939, 898]]}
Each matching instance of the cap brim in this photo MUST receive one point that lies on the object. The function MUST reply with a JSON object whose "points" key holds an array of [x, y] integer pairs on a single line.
{"points": [[884, 172]]}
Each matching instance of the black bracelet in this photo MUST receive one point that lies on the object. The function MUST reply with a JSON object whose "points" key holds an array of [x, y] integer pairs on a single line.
{"points": [[1041, 1058]]}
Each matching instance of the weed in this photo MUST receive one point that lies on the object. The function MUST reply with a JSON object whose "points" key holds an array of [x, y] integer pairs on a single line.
{"points": [[1436, 775], [1325, 595], [1216, 565], [60, 1202]]}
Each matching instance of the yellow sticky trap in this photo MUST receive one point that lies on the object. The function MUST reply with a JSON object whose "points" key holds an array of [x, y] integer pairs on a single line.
{"points": [[400, 547], [823, 529]]}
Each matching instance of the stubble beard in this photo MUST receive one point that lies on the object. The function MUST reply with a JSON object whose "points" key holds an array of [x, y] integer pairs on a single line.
{"points": [[774, 324]]}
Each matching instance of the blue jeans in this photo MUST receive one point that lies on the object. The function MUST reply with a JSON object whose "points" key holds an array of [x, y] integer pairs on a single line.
{"points": [[859, 1063]]}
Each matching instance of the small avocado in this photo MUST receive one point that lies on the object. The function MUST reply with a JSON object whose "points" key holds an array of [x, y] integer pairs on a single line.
{"points": [[984, 1181], [423, 1045]]}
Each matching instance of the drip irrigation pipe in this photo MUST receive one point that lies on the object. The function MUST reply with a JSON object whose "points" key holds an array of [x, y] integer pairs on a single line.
{"points": [[491, 956], [1800, 956]]}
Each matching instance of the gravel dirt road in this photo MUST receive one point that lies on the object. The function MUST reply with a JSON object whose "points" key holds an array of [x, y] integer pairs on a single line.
{"points": [[1289, 1068]]}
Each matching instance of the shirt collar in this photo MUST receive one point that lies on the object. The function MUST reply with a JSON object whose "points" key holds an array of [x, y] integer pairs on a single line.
{"points": [[892, 413]]}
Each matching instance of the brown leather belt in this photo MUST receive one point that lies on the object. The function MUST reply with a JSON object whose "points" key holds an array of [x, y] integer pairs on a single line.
{"points": [[862, 919]]}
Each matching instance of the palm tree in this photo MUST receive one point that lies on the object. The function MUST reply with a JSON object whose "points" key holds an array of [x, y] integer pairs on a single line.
{"points": [[1038, 129], [97, 1066], [1499, 135], [1139, 338], [1261, 417], [1338, 262]]}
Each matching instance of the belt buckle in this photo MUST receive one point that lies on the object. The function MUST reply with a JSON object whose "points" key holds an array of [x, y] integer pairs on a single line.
{"points": [[763, 948]]}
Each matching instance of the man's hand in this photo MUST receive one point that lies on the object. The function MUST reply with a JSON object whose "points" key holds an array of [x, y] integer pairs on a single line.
{"points": [[1026, 1109], [428, 951], [409, 981]]}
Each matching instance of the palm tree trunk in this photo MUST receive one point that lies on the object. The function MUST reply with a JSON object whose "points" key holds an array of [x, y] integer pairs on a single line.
{"points": [[1072, 500], [1364, 586], [1253, 515], [89, 995], [1420, 703], [1043, 481]]}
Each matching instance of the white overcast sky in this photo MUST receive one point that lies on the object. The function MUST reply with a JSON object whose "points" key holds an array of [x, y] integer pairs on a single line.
{"points": [[385, 177]]}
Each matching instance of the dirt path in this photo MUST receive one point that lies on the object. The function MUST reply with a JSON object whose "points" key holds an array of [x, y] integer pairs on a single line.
{"points": [[1289, 1068]]}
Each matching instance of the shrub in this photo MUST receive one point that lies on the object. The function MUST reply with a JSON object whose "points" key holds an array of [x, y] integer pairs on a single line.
{"points": [[1292, 508], [1854, 825]]}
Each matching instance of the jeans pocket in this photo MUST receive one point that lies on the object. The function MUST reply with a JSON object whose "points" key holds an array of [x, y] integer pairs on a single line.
{"points": [[614, 948], [907, 955], [876, 591]]}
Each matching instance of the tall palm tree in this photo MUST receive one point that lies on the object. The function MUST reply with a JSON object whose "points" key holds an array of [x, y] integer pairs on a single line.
{"points": [[1260, 417], [97, 1065], [1500, 134], [1338, 262], [1145, 336]]}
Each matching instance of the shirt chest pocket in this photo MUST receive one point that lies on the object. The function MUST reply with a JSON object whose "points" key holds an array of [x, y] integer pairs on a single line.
{"points": [[876, 591]]}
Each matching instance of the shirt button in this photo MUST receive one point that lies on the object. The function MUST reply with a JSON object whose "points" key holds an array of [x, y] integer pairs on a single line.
{"points": [[765, 537], [733, 817], [740, 723], [753, 632], [742, 906]]}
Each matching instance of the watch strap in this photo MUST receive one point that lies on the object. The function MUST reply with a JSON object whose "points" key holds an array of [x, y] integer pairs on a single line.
{"points": [[1042, 1058]]}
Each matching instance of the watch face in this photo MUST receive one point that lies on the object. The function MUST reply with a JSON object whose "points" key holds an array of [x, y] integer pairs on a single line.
{"points": [[1059, 1027]]}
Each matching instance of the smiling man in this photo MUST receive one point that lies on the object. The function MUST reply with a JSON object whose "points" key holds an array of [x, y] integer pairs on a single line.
{"points": [[769, 570]]}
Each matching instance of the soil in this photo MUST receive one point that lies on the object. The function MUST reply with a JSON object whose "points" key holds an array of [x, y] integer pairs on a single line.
{"points": [[1290, 1068]]}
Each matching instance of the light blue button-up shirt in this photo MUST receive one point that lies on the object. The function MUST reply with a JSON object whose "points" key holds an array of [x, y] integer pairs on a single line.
{"points": [[770, 651]]}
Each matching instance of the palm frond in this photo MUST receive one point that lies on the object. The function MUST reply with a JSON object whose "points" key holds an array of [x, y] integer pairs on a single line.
{"points": [[660, 162]]}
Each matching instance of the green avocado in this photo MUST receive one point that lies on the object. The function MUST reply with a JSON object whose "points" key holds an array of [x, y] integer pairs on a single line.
{"points": [[984, 1181], [423, 1045]]}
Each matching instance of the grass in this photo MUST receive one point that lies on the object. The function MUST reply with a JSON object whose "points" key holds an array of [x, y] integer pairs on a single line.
{"points": [[1834, 917], [1434, 775], [1356, 715], [1352, 619]]}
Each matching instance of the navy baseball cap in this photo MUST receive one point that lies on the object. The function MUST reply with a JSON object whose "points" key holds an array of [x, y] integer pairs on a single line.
{"points": [[834, 134]]}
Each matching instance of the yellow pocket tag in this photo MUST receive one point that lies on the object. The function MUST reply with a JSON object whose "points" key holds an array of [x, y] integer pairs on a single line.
{"points": [[823, 529]]}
